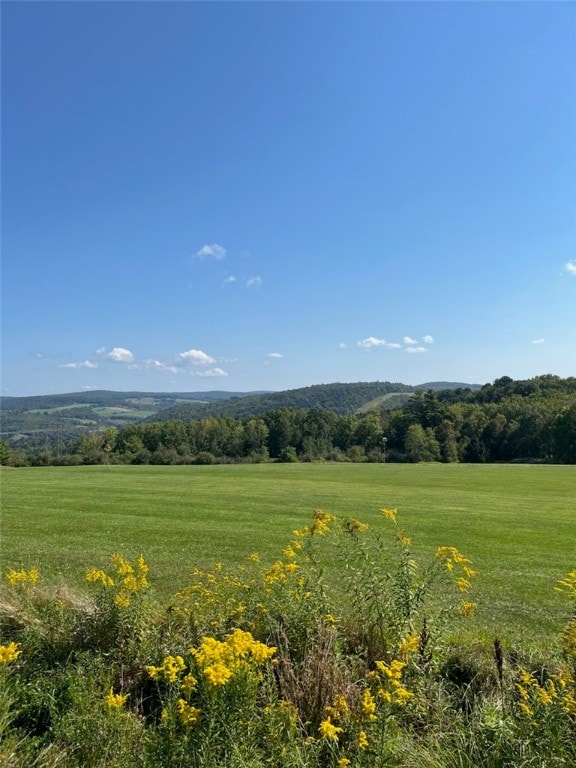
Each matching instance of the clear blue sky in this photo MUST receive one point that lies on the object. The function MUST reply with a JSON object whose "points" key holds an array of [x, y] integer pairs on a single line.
{"points": [[270, 195]]}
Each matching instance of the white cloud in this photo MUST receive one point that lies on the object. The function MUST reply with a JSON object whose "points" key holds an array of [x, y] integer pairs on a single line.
{"points": [[253, 281], [229, 279], [570, 267], [120, 355], [157, 365], [213, 251], [85, 364], [212, 373], [275, 355], [409, 340], [342, 345], [428, 339], [372, 341], [416, 350], [195, 356], [538, 341], [101, 351]]}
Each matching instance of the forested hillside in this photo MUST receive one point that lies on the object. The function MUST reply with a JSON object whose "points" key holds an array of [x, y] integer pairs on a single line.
{"points": [[532, 420]]}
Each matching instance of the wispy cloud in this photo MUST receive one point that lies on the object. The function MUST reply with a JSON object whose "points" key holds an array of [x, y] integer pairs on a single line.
{"points": [[213, 251], [120, 355], [538, 341], [342, 345], [254, 282], [276, 355], [570, 267], [194, 356], [212, 373], [428, 339], [416, 350], [157, 365], [85, 364], [230, 279], [372, 341], [409, 340]]}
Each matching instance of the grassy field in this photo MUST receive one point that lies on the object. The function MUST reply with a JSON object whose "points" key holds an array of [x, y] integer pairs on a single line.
{"points": [[516, 523]]}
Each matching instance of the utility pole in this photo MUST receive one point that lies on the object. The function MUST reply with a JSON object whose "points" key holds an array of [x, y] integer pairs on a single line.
{"points": [[384, 441]]}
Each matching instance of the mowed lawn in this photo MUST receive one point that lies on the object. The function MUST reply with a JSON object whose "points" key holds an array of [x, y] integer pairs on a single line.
{"points": [[517, 523]]}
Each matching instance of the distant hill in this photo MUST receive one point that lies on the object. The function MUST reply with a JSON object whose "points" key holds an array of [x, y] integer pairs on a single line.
{"points": [[339, 398], [40, 418], [43, 419]]}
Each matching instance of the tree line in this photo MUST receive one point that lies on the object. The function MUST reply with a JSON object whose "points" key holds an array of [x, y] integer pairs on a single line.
{"points": [[533, 421]]}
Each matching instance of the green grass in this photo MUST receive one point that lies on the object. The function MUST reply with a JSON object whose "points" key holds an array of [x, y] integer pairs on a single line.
{"points": [[516, 523]]}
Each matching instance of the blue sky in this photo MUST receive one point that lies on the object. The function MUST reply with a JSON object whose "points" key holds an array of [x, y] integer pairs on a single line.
{"points": [[241, 196]]}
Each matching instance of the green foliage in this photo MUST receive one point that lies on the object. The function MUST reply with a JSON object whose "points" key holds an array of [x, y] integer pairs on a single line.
{"points": [[268, 664]]}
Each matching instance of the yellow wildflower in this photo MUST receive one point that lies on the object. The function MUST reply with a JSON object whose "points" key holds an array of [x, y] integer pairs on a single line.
{"points": [[343, 762], [362, 740], [463, 584], [467, 608], [122, 600], [94, 575], [403, 539], [188, 715], [9, 653], [122, 566], [254, 557], [22, 577], [389, 514], [189, 683], [328, 730], [409, 645], [357, 526], [322, 522], [217, 674], [115, 700], [368, 705], [339, 709], [568, 584], [289, 552]]}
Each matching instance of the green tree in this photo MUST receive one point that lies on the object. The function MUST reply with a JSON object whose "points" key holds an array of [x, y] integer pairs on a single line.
{"points": [[4, 452]]}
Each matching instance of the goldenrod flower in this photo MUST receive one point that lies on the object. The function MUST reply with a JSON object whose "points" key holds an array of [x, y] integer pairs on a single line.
{"points": [[362, 740], [22, 577], [368, 705], [568, 584], [389, 514], [189, 683], [94, 575], [343, 762], [217, 674], [467, 608], [9, 653], [187, 714], [409, 645], [289, 552], [115, 700], [328, 730], [322, 522], [463, 584], [122, 600], [339, 709], [357, 526]]}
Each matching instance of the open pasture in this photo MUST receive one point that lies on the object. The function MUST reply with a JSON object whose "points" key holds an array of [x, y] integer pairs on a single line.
{"points": [[516, 523]]}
